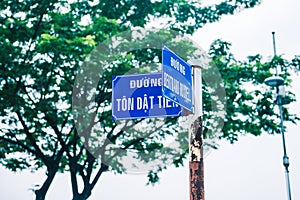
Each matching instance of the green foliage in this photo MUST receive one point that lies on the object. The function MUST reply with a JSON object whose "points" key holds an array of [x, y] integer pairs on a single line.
{"points": [[250, 106], [152, 177]]}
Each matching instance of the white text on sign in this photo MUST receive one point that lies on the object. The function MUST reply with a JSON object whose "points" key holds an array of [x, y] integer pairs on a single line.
{"points": [[143, 103], [177, 87], [145, 82], [177, 65]]}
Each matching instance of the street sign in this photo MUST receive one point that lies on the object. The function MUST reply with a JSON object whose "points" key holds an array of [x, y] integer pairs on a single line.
{"points": [[140, 96], [176, 79]]}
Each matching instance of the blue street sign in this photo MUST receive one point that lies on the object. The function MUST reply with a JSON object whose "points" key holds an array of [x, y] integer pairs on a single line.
{"points": [[176, 79], [140, 96]]}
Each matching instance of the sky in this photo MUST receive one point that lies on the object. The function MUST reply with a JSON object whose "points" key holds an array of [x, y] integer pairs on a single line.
{"points": [[249, 169]]}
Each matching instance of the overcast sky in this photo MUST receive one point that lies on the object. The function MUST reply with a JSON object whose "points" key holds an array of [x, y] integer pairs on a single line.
{"points": [[251, 168]]}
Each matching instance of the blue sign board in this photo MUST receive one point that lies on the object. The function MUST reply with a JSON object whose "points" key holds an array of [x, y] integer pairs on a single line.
{"points": [[176, 79], [140, 96]]}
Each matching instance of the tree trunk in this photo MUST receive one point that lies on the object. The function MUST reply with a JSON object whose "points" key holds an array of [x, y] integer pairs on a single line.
{"points": [[86, 193], [81, 196], [40, 194], [88, 187]]}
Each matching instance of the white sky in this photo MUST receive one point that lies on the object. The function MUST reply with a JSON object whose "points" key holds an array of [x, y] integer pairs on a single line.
{"points": [[251, 168]]}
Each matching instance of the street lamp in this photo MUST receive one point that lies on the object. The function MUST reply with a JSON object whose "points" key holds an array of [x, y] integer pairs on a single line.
{"points": [[277, 81]]}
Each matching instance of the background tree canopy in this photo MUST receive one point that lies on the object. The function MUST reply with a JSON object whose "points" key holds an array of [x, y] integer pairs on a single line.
{"points": [[46, 44]]}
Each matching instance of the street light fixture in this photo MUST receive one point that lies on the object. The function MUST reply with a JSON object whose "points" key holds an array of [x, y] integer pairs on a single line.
{"points": [[274, 81]]}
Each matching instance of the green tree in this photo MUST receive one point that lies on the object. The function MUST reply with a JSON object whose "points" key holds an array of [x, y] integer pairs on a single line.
{"points": [[44, 43], [250, 106]]}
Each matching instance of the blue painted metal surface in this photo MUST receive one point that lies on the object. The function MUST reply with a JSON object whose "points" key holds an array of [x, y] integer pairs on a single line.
{"points": [[176, 79], [140, 96]]}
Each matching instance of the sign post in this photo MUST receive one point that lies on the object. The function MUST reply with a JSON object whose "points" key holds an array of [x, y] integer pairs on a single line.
{"points": [[196, 167], [179, 86], [156, 95]]}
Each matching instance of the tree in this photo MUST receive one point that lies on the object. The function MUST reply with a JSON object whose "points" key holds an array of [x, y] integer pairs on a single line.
{"points": [[250, 110], [46, 43]]}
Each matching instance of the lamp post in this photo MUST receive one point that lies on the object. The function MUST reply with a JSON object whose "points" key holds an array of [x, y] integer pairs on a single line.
{"points": [[277, 81]]}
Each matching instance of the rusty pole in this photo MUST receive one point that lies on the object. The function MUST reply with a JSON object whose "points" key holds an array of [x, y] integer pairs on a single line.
{"points": [[196, 166]]}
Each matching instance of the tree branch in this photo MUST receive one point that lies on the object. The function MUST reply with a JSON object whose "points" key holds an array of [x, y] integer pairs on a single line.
{"points": [[32, 140], [18, 143], [65, 146], [73, 173]]}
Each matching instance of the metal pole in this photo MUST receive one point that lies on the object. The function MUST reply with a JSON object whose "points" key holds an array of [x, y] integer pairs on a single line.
{"points": [[280, 103], [274, 48], [285, 157], [196, 143]]}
